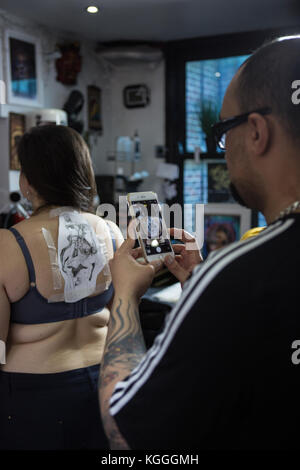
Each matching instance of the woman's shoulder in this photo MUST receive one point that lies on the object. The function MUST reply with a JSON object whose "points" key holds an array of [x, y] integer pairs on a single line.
{"points": [[8, 250], [5, 236], [102, 226], [27, 230]]}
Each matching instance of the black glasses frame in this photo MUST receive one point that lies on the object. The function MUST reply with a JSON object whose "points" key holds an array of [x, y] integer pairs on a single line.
{"points": [[220, 128]]}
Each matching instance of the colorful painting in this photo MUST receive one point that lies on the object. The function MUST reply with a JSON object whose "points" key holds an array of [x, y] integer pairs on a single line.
{"points": [[219, 231], [218, 183], [24, 84], [223, 225], [94, 109], [16, 130]]}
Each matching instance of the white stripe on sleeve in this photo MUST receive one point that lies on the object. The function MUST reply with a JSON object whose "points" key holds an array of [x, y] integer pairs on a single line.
{"points": [[126, 389]]}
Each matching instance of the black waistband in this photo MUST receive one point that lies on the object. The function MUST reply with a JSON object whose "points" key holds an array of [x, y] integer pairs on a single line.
{"points": [[24, 379]]}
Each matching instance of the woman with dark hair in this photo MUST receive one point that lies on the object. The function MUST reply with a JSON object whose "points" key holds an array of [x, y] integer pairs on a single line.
{"points": [[55, 292]]}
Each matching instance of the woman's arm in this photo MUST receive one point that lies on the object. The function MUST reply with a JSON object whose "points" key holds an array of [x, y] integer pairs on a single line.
{"points": [[4, 301], [119, 240], [4, 322]]}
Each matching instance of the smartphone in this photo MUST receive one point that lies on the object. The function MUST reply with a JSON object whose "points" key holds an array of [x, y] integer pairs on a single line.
{"points": [[151, 229]]}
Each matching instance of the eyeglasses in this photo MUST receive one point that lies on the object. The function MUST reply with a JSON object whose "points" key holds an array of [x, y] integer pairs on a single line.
{"points": [[220, 128]]}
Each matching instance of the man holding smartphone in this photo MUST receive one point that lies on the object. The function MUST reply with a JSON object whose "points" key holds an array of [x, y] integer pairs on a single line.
{"points": [[220, 375]]}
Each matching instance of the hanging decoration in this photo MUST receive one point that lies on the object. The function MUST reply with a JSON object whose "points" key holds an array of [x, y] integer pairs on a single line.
{"points": [[69, 64]]}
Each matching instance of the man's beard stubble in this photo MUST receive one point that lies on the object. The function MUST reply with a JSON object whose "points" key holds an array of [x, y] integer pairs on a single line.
{"points": [[236, 195]]}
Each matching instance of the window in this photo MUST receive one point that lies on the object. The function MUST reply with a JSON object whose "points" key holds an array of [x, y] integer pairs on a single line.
{"points": [[206, 80], [261, 221]]}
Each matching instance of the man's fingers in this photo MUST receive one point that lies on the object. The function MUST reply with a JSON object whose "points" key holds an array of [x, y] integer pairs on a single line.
{"points": [[137, 253], [181, 234], [191, 243], [178, 248], [156, 264], [142, 261], [127, 246], [131, 229], [176, 269]]}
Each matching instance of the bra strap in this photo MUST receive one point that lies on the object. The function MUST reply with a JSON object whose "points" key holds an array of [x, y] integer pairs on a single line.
{"points": [[25, 252]]}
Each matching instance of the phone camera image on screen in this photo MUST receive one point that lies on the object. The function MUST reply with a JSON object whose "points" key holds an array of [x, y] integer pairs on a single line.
{"points": [[151, 227]]}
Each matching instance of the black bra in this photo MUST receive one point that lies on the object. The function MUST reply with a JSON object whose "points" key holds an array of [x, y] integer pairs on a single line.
{"points": [[33, 308]]}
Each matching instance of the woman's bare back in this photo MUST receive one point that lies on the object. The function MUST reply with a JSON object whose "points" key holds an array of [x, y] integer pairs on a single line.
{"points": [[53, 346]]}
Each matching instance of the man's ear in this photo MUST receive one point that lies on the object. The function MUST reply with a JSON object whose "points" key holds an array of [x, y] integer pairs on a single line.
{"points": [[259, 134]]}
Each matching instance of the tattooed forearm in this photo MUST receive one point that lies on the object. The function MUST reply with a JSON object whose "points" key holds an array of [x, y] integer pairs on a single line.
{"points": [[107, 378], [124, 322], [116, 440], [125, 342], [124, 350]]}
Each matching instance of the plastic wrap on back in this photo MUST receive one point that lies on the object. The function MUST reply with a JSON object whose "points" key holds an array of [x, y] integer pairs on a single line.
{"points": [[81, 258], [56, 276]]}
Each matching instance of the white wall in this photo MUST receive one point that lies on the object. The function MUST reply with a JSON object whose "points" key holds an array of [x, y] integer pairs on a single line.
{"points": [[117, 120], [148, 121]]}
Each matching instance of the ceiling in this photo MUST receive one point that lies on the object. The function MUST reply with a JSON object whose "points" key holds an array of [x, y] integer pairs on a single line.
{"points": [[156, 20]]}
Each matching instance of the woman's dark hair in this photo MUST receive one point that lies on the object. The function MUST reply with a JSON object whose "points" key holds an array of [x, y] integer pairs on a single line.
{"points": [[57, 164]]}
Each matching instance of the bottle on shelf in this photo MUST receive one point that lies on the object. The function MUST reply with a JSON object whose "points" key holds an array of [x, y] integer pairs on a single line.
{"points": [[136, 147], [120, 180]]}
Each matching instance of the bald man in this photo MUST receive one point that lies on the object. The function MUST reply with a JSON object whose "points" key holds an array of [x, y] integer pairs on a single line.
{"points": [[224, 372]]}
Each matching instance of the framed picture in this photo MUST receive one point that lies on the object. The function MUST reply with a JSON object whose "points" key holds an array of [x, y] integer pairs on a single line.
{"points": [[16, 130], [218, 183], [224, 224], [136, 96], [94, 108], [23, 69]]}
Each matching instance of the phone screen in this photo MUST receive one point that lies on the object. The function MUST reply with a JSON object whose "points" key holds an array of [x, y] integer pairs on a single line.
{"points": [[151, 227]]}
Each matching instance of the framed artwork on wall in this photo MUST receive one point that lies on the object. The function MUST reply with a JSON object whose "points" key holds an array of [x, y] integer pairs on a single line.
{"points": [[136, 96], [94, 108], [16, 130], [224, 224], [218, 182], [24, 81]]}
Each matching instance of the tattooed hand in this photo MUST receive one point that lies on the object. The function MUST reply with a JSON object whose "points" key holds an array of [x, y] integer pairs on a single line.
{"points": [[129, 276]]}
